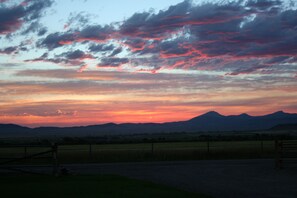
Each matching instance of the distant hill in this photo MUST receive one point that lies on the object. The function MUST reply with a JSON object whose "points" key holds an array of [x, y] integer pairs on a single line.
{"points": [[284, 127], [208, 122], [14, 130]]}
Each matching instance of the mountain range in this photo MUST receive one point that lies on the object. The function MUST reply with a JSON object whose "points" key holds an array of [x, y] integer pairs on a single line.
{"points": [[208, 122]]}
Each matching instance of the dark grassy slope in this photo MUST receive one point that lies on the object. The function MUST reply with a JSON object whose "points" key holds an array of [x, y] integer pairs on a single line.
{"points": [[211, 121], [85, 187], [285, 127]]}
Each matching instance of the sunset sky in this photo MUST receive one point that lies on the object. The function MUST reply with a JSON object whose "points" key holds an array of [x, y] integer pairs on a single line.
{"points": [[82, 62]]}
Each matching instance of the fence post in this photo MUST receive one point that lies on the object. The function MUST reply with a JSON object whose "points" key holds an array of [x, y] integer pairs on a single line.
{"points": [[55, 159], [90, 152], [152, 148], [262, 146], [208, 149], [278, 160], [25, 151]]}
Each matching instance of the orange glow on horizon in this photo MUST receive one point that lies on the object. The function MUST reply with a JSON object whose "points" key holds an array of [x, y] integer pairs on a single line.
{"points": [[126, 116]]}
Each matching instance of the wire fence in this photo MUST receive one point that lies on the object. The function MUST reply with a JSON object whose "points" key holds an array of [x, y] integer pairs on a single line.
{"points": [[286, 153], [88, 153]]}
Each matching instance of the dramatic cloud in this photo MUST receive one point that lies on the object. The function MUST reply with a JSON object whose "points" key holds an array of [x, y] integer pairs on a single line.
{"points": [[77, 54], [135, 44], [35, 27], [72, 58], [155, 26], [116, 51], [56, 40], [113, 62], [231, 31], [209, 36], [94, 33], [101, 48], [28, 12], [263, 4], [77, 19], [9, 50]]}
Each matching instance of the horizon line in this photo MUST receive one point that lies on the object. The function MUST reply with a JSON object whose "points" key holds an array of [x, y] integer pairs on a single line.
{"points": [[118, 123]]}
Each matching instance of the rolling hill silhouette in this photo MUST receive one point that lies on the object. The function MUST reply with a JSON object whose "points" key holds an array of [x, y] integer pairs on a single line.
{"points": [[208, 122]]}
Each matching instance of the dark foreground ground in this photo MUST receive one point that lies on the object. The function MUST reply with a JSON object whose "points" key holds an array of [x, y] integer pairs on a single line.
{"points": [[86, 186], [218, 178]]}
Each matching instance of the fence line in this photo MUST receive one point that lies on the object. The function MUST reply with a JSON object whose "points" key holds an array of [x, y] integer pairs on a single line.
{"points": [[91, 152], [9, 164], [286, 153]]}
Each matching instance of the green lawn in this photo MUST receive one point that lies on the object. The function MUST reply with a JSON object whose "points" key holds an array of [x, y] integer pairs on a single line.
{"points": [[85, 187]]}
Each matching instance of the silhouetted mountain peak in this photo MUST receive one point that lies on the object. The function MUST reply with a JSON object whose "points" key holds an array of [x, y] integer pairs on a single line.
{"points": [[210, 121], [212, 114], [208, 115], [278, 114], [244, 115]]}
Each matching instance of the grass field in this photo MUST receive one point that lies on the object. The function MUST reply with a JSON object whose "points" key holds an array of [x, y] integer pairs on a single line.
{"points": [[106, 186], [151, 152]]}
